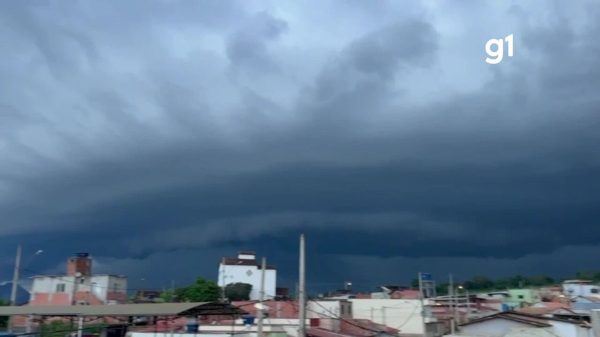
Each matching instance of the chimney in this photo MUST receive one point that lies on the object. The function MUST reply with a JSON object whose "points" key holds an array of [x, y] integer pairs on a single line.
{"points": [[79, 263]]}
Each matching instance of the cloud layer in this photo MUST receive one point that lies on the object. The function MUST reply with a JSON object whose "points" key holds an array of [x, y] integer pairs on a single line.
{"points": [[187, 130]]}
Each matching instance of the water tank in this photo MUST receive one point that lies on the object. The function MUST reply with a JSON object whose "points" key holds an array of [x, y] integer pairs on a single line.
{"points": [[191, 328], [248, 320], [7, 334], [191, 325]]}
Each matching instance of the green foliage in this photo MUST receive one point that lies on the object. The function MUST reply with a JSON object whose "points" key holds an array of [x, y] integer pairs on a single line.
{"points": [[238, 291], [415, 283], [56, 329], [3, 319], [479, 282], [200, 291], [482, 283], [588, 275], [167, 296]]}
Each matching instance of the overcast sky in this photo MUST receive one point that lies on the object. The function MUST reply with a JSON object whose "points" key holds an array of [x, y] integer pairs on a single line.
{"points": [[162, 135]]}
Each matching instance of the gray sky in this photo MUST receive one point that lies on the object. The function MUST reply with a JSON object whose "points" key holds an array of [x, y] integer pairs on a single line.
{"points": [[148, 132]]}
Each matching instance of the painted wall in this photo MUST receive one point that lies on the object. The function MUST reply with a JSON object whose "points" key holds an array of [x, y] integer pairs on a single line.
{"points": [[499, 327], [58, 290], [404, 315], [519, 298], [570, 330], [581, 289], [492, 328], [323, 309], [248, 274]]}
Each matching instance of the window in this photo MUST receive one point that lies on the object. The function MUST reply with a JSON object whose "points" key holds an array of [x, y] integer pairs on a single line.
{"points": [[60, 288], [594, 290], [521, 297]]}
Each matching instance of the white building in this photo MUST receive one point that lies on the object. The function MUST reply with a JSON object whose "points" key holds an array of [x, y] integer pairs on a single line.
{"points": [[402, 314], [245, 269], [573, 288]]}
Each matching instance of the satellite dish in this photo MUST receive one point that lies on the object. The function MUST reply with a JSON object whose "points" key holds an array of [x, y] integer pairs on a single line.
{"points": [[261, 306]]}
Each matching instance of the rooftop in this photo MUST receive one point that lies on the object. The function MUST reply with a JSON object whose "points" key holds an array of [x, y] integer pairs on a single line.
{"points": [[234, 261], [146, 309], [65, 275], [577, 282], [531, 319]]}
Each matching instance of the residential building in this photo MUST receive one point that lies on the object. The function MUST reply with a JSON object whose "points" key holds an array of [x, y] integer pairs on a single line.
{"points": [[586, 303], [520, 298], [508, 324], [401, 314], [78, 286], [573, 288], [246, 269], [513, 298]]}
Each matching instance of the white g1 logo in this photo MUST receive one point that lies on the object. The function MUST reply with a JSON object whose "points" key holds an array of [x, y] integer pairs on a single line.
{"points": [[495, 56]]}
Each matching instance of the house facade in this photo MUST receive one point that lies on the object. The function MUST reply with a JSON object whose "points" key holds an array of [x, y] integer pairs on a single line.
{"points": [[79, 286], [580, 288], [246, 269], [507, 323]]}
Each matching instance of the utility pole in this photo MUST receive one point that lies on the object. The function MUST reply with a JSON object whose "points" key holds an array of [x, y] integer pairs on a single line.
{"points": [[77, 278], [15, 284], [80, 326], [262, 297], [422, 299], [302, 291], [451, 302], [223, 281], [468, 317]]}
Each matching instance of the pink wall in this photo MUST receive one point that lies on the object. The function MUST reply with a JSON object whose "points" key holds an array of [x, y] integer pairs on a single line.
{"points": [[50, 299], [64, 298]]}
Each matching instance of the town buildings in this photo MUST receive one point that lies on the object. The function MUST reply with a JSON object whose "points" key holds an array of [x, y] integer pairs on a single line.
{"points": [[79, 286], [246, 269], [580, 288], [509, 324]]}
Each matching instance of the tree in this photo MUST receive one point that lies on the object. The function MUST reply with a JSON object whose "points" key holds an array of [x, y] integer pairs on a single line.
{"points": [[479, 283], [238, 291], [3, 319], [200, 291], [168, 296], [56, 329]]}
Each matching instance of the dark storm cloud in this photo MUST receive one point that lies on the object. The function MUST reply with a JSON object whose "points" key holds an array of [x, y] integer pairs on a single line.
{"points": [[144, 137], [248, 45]]}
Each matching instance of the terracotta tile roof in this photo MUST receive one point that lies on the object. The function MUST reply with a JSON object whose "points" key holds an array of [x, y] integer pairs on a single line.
{"points": [[318, 332], [542, 310], [364, 327], [406, 294]]}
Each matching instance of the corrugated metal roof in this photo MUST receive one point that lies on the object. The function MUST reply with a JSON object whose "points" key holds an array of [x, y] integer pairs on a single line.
{"points": [[144, 309], [535, 320]]}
